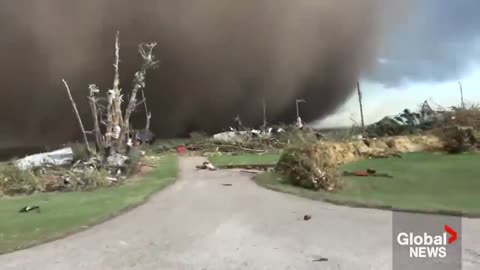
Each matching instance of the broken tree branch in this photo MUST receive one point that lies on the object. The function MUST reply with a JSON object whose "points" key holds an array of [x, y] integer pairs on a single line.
{"points": [[116, 79], [78, 117], [114, 109], [147, 113], [92, 101], [146, 51]]}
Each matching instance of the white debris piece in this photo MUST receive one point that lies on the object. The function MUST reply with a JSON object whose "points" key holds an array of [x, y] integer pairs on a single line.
{"points": [[116, 132], [299, 123], [231, 136], [207, 166], [116, 160], [59, 157]]}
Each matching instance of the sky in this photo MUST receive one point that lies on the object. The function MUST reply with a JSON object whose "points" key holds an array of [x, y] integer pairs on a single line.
{"points": [[423, 58]]}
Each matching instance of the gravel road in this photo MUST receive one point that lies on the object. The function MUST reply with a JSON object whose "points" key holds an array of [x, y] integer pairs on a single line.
{"points": [[200, 223]]}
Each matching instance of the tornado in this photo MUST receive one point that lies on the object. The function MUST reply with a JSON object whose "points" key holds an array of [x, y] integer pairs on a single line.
{"points": [[218, 59]]}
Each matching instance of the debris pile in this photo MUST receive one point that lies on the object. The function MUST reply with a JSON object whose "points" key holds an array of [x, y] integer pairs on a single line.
{"points": [[271, 139], [408, 122], [461, 132]]}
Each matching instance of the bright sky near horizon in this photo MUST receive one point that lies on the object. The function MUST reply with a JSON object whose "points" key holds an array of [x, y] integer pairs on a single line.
{"points": [[380, 101], [423, 58]]}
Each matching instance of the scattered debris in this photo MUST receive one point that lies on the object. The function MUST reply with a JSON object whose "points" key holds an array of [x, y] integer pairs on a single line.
{"points": [[307, 217], [227, 185], [368, 172], [207, 165], [321, 259], [27, 209], [61, 157]]}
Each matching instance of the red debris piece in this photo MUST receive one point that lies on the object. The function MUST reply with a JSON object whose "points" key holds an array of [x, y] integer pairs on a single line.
{"points": [[181, 149]]}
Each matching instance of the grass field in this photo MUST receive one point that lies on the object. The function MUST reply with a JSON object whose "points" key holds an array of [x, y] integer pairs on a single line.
{"points": [[64, 213], [244, 160], [425, 182]]}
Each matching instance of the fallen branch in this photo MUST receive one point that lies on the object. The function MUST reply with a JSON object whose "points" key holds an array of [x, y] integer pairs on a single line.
{"points": [[78, 117]]}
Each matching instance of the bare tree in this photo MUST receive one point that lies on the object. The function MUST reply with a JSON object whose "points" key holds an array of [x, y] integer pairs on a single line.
{"points": [[117, 125]]}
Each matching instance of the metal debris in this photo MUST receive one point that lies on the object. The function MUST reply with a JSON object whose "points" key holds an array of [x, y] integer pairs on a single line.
{"points": [[61, 157]]}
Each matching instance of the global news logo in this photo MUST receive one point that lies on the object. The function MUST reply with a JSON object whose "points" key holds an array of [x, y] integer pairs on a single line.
{"points": [[426, 245]]}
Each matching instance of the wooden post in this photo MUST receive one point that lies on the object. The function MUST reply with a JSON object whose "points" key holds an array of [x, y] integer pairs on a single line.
{"points": [[361, 106], [78, 117], [461, 95]]}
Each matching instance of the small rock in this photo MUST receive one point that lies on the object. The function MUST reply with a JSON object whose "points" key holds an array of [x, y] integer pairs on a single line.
{"points": [[307, 217]]}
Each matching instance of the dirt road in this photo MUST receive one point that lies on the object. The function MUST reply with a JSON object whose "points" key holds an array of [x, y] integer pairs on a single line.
{"points": [[199, 223]]}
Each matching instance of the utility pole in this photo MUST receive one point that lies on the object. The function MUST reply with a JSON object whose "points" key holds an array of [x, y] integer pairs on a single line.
{"points": [[264, 114], [461, 95], [361, 106], [298, 110], [299, 120]]}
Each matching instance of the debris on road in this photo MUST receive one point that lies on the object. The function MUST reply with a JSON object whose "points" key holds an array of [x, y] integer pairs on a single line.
{"points": [[251, 171], [321, 259], [227, 185], [307, 217], [207, 166]]}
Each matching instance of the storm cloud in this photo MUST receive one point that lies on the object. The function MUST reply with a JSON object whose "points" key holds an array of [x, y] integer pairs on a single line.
{"points": [[438, 42]]}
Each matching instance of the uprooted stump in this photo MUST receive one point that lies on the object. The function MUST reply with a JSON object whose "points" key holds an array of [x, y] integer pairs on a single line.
{"points": [[315, 166], [305, 170]]}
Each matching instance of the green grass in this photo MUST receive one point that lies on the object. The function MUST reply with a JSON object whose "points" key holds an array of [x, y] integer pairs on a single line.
{"points": [[64, 213], [244, 160], [424, 182]]}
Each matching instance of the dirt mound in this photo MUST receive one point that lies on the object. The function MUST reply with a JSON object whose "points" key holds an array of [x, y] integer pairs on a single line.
{"points": [[418, 143]]}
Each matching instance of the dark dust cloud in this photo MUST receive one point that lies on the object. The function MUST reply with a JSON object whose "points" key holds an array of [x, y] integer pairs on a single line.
{"points": [[219, 58]]}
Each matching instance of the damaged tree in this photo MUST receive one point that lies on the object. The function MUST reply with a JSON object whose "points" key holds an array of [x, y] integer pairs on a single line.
{"points": [[113, 139]]}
